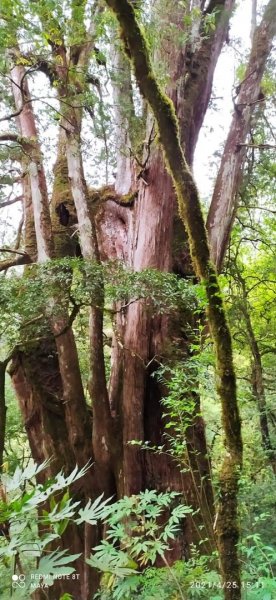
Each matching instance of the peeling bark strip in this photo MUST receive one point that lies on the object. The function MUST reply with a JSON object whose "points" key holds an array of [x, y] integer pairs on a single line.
{"points": [[190, 212], [223, 205]]}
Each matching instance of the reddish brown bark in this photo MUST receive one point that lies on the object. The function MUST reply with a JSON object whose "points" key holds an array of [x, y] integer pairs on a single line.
{"points": [[156, 227], [190, 212], [147, 240], [56, 417], [35, 170]]}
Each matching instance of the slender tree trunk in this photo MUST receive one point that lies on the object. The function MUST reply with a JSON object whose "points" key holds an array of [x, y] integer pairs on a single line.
{"points": [[3, 411], [224, 201], [258, 390], [258, 387], [89, 246], [74, 422], [35, 168]]}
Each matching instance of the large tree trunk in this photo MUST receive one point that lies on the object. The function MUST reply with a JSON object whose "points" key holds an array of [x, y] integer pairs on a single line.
{"points": [[135, 393], [190, 212], [224, 201], [150, 236]]}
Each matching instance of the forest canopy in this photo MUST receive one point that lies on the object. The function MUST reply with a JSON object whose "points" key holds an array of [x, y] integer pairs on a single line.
{"points": [[137, 299]]}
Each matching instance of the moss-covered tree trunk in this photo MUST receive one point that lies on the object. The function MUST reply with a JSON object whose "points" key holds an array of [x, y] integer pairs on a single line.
{"points": [[47, 380], [158, 241], [190, 212]]}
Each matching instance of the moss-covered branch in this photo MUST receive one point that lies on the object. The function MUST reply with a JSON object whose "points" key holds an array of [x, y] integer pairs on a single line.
{"points": [[190, 212]]}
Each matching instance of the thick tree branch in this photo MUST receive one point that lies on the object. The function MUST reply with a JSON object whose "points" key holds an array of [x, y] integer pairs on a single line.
{"points": [[15, 262], [13, 251], [200, 66], [259, 146], [9, 136]]}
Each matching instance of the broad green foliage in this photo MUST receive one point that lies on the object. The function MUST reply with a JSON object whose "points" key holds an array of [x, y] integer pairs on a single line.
{"points": [[142, 525], [25, 311], [184, 581], [138, 530], [19, 512]]}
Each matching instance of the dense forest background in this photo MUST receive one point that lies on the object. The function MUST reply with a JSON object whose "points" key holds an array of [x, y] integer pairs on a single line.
{"points": [[137, 355]]}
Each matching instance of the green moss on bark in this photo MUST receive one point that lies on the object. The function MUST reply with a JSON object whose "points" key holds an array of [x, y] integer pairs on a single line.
{"points": [[191, 214]]}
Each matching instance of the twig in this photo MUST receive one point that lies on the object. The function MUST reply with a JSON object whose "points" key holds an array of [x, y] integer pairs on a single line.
{"points": [[13, 251], [9, 202]]}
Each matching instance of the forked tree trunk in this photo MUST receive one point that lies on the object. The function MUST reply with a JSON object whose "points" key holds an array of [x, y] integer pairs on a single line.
{"points": [[190, 212], [135, 393], [50, 383], [76, 413]]}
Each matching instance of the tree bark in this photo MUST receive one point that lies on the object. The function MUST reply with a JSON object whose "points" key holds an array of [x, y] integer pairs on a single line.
{"points": [[123, 121], [36, 172], [74, 426], [258, 387], [190, 212], [155, 227], [224, 201], [77, 416], [3, 411]]}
